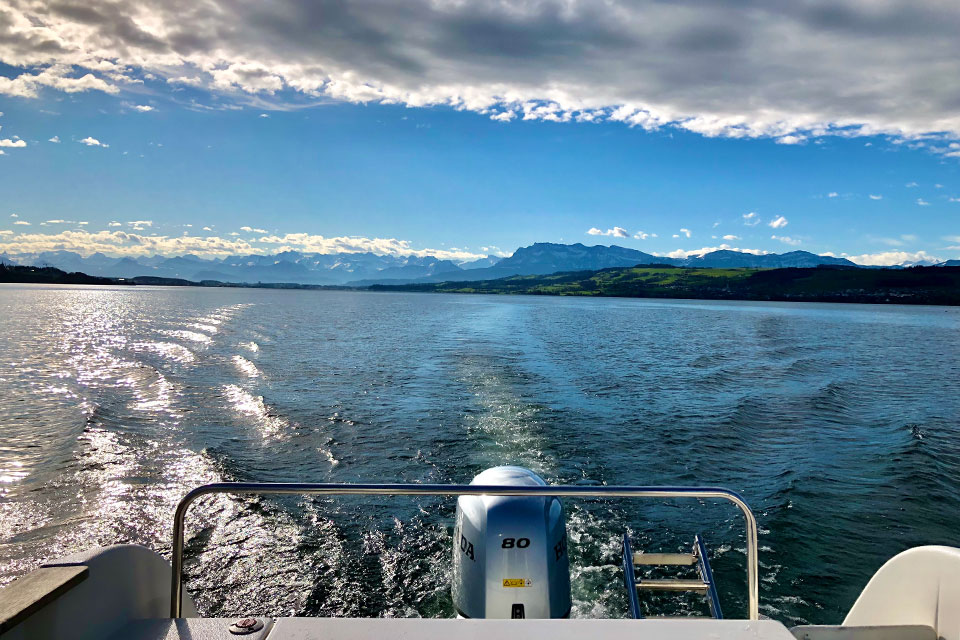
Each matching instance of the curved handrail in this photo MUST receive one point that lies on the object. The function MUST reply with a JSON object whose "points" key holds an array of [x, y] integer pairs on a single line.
{"points": [[561, 491]]}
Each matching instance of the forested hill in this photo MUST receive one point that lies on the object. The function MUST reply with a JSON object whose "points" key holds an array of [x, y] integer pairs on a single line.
{"points": [[50, 275], [915, 285]]}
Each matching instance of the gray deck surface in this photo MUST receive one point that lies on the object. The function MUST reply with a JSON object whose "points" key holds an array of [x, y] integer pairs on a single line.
{"points": [[187, 629], [449, 629], [420, 629]]}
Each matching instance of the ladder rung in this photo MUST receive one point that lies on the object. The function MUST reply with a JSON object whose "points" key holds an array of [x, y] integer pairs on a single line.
{"points": [[673, 585], [686, 559]]}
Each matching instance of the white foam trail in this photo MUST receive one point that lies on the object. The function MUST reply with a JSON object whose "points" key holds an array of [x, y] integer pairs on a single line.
{"points": [[170, 350], [161, 390], [193, 336], [200, 326], [510, 425], [246, 367], [252, 346], [253, 406]]}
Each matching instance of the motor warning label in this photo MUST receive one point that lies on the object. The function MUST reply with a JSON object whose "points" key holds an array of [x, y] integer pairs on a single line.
{"points": [[517, 582]]}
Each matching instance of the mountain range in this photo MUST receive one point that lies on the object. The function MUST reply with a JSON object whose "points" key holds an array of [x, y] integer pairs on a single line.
{"points": [[543, 258], [287, 266], [368, 268]]}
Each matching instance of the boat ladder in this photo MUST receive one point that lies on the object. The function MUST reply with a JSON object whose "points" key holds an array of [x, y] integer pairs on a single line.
{"points": [[640, 560]]}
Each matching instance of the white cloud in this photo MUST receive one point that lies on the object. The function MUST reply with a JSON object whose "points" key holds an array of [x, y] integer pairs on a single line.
{"points": [[56, 76], [938, 186], [922, 202], [643, 64], [685, 232], [791, 139], [92, 142], [14, 215], [731, 237], [778, 223], [115, 224], [250, 77], [832, 194], [641, 235], [616, 232], [23, 222], [6, 233], [953, 199], [119, 243], [7, 142], [682, 253], [876, 197], [264, 115], [910, 185], [207, 229], [140, 225], [253, 230], [192, 81], [124, 243], [785, 239], [891, 258], [143, 108], [751, 219], [357, 244], [55, 139]]}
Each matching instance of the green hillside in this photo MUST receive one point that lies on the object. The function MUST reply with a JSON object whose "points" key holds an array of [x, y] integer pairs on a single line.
{"points": [[917, 285]]}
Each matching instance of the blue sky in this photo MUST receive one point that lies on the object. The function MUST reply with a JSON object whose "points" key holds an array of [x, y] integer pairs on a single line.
{"points": [[209, 165]]}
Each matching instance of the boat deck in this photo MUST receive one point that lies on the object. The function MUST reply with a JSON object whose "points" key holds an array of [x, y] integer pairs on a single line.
{"points": [[442, 629]]}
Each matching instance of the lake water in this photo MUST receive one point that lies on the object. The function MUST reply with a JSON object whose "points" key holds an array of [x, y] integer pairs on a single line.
{"points": [[840, 425]]}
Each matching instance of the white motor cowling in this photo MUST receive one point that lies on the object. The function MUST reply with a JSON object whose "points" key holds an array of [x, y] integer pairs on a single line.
{"points": [[509, 552]]}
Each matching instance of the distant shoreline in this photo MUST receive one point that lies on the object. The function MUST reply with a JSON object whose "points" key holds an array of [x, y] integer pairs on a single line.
{"points": [[15, 274], [915, 285], [939, 286]]}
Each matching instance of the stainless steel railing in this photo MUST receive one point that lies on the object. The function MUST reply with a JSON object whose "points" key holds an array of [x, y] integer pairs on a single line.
{"points": [[293, 488]]}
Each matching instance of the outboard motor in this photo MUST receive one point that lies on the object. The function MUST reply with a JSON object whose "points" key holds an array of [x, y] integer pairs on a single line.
{"points": [[510, 552]]}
